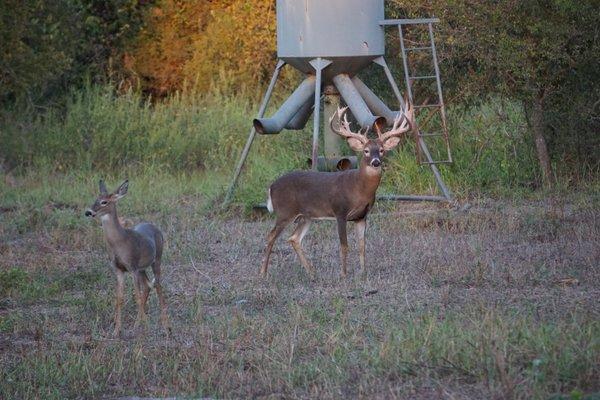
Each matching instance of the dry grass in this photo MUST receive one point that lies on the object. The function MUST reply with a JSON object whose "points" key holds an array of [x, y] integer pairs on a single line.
{"points": [[500, 301]]}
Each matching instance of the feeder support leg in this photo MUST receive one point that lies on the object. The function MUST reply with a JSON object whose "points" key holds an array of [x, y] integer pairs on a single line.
{"points": [[436, 172], [333, 142], [319, 64], [381, 62], [261, 113]]}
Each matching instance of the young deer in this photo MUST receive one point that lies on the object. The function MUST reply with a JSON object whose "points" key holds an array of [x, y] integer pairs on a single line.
{"points": [[130, 250], [302, 196]]}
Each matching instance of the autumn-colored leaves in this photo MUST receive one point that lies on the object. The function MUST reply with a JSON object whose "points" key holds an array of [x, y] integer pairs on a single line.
{"points": [[192, 44]]}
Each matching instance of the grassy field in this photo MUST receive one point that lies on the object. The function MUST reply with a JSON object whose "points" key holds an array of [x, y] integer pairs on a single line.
{"points": [[497, 301]]}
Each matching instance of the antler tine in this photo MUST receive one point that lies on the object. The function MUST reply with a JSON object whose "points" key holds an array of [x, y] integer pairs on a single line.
{"points": [[399, 128], [344, 126]]}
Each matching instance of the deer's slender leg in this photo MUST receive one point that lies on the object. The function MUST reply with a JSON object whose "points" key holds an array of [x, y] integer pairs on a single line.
{"points": [[341, 221], [144, 290], [139, 295], [296, 241], [164, 319], [273, 235], [119, 297], [360, 227]]}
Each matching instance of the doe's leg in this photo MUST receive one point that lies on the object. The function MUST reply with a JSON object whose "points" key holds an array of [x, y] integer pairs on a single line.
{"points": [[296, 241], [341, 221], [273, 235], [144, 290], [119, 297], [164, 319], [139, 284]]}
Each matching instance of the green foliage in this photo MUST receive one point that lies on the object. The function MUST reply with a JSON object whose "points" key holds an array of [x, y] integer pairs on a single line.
{"points": [[109, 134], [102, 130], [492, 153], [543, 51], [48, 46]]}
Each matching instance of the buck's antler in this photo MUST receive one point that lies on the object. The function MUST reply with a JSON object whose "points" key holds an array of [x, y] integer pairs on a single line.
{"points": [[344, 126], [402, 124]]}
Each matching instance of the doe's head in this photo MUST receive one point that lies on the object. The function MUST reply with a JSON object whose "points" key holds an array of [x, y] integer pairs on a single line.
{"points": [[105, 202], [373, 149]]}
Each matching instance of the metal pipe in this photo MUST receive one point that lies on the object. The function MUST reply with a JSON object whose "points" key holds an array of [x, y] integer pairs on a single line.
{"points": [[261, 112], [373, 102], [288, 109], [333, 143], [332, 164], [357, 105], [318, 64], [408, 21], [434, 169], [385, 197], [439, 89], [393, 197], [405, 63], [381, 61], [300, 119]]}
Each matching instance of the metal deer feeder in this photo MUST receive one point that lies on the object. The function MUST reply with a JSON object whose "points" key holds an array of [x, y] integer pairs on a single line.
{"points": [[331, 42]]}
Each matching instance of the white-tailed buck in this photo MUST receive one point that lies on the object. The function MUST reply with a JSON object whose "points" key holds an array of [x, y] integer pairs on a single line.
{"points": [[130, 250], [303, 196]]}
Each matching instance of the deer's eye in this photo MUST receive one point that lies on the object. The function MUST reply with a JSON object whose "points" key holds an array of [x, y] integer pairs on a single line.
{"points": [[103, 202], [367, 151]]}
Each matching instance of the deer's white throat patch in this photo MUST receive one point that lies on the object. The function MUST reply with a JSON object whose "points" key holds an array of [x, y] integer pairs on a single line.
{"points": [[373, 170]]}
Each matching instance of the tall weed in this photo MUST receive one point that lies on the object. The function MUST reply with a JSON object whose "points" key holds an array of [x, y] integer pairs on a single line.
{"points": [[105, 132]]}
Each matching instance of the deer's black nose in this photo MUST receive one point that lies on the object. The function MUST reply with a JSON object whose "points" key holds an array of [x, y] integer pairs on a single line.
{"points": [[375, 162], [89, 213]]}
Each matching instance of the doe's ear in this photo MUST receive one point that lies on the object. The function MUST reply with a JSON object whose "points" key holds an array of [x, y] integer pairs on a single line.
{"points": [[122, 190], [102, 188], [391, 143], [355, 144]]}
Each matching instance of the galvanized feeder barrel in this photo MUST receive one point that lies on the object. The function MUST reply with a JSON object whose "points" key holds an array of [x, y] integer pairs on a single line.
{"points": [[346, 32]]}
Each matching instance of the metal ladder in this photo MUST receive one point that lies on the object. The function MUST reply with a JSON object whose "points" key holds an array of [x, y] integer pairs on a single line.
{"points": [[422, 148]]}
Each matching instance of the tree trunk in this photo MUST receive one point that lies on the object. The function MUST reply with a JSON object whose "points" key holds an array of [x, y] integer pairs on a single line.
{"points": [[536, 119]]}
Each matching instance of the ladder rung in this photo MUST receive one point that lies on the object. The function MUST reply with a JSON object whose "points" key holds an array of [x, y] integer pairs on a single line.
{"points": [[408, 21], [428, 106], [423, 77], [417, 48], [437, 162]]}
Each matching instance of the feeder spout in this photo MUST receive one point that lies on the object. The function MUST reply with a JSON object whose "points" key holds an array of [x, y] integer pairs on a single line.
{"points": [[373, 102], [300, 119], [357, 105], [303, 94]]}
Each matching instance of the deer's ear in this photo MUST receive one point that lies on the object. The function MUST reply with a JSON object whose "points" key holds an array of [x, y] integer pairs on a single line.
{"points": [[102, 188], [391, 143], [355, 144], [122, 190]]}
